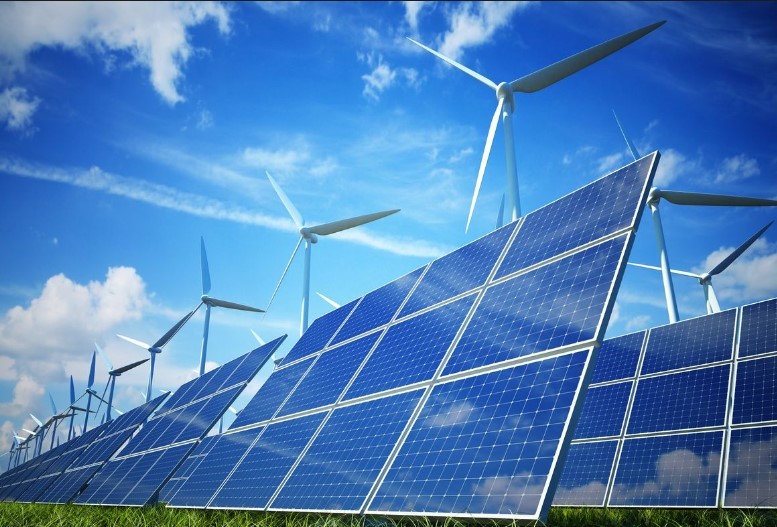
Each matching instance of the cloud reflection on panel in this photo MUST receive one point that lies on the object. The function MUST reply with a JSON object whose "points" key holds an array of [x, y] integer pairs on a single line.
{"points": [[752, 468], [669, 471], [586, 473]]}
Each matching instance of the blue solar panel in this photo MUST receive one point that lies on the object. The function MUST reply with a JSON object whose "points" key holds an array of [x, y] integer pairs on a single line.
{"points": [[586, 474], [158, 470], [486, 445], [553, 306], [759, 329], [112, 479], [618, 358], [269, 460], [378, 307], [271, 395], [596, 210], [460, 271], [603, 411], [319, 333], [411, 350], [669, 471], [691, 342], [68, 484], [341, 465], [213, 468], [328, 377], [690, 399], [751, 475], [755, 396], [188, 467]]}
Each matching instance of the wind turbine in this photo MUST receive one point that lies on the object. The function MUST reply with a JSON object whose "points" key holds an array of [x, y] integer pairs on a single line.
{"points": [[156, 348], [683, 198], [705, 279], [112, 374], [90, 392], [529, 84], [328, 300], [262, 342], [310, 235], [56, 417], [209, 302]]}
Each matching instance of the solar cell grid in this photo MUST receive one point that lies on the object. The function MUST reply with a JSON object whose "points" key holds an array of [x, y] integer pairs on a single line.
{"points": [[326, 380], [751, 474], [378, 307], [460, 271], [553, 306], [692, 342], [596, 210], [618, 358], [759, 328], [604, 411], [158, 470], [319, 333], [586, 474], [755, 395]]}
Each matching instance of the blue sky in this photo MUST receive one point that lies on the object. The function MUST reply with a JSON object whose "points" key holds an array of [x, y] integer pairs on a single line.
{"points": [[128, 131]]}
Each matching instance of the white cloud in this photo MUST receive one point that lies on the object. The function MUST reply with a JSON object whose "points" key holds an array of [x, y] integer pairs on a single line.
{"points": [[609, 163], [412, 12], [383, 77], [17, 108], [173, 199], [204, 120], [672, 166], [278, 7], [751, 466], [750, 278], [26, 392], [737, 168], [154, 34], [638, 322], [461, 154], [457, 413], [475, 23]]}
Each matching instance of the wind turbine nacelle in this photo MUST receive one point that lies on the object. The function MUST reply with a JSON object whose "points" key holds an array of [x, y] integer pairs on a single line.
{"points": [[653, 196], [504, 91], [308, 235], [155, 350]]}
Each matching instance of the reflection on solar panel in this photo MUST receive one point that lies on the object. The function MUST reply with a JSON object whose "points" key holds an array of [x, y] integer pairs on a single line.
{"points": [[147, 462], [699, 427], [447, 392]]}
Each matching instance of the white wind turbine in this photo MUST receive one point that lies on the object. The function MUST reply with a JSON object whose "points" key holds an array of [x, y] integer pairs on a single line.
{"points": [[156, 348], [56, 417], [705, 279], [112, 374], [210, 302], [529, 84], [310, 235], [682, 198], [328, 300]]}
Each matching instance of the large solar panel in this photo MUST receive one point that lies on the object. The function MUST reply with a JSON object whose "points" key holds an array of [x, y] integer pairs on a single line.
{"points": [[151, 457], [447, 392], [698, 428]]}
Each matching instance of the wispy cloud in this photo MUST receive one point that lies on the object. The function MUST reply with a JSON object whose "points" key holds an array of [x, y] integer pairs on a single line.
{"points": [[473, 24], [17, 108], [383, 76], [166, 197], [737, 168]]}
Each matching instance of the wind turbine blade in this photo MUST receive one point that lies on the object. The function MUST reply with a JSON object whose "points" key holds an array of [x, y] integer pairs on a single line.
{"points": [[91, 371], [626, 138], [653, 267], [292, 210], [714, 200], [259, 339], [72, 391], [328, 301], [104, 357], [484, 160], [488, 82], [37, 421], [341, 225], [173, 330], [293, 254], [231, 305], [135, 342], [204, 268], [53, 406], [128, 367], [564, 68], [738, 252]]}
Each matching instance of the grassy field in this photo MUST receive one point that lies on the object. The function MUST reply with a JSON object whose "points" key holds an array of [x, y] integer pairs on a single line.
{"points": [[26, 515]]}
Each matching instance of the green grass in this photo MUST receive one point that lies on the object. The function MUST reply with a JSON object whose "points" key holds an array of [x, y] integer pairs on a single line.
{"points": [[28, 515]]}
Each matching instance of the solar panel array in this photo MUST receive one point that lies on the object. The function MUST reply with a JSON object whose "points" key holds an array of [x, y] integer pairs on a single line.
{"points": [[28, 481], [683, 415], [449, 391], [135, 476]]}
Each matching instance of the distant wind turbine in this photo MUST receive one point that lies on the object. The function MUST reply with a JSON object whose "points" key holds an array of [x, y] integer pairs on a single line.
{"points": [[310, 235], [705, 279], [328, 300], [156, 348], [56, 417], [112, 374], [89, 392], [529, 84], [682, 198], [209, 302]]}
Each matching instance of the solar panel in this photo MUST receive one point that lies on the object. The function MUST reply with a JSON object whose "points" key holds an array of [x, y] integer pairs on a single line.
{"points": [[319, 333], [136, 476], [423, 366], [699, 417]]}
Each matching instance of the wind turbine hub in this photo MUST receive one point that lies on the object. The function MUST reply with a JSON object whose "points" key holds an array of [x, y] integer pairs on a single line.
{"points": [[503, 91], [705, 279], [306, 234], [654, 196], [205, 299], [155, 350]]}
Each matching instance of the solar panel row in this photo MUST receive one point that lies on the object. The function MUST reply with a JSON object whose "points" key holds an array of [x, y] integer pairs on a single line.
{"points": [[449, 391], [682, 415]]}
